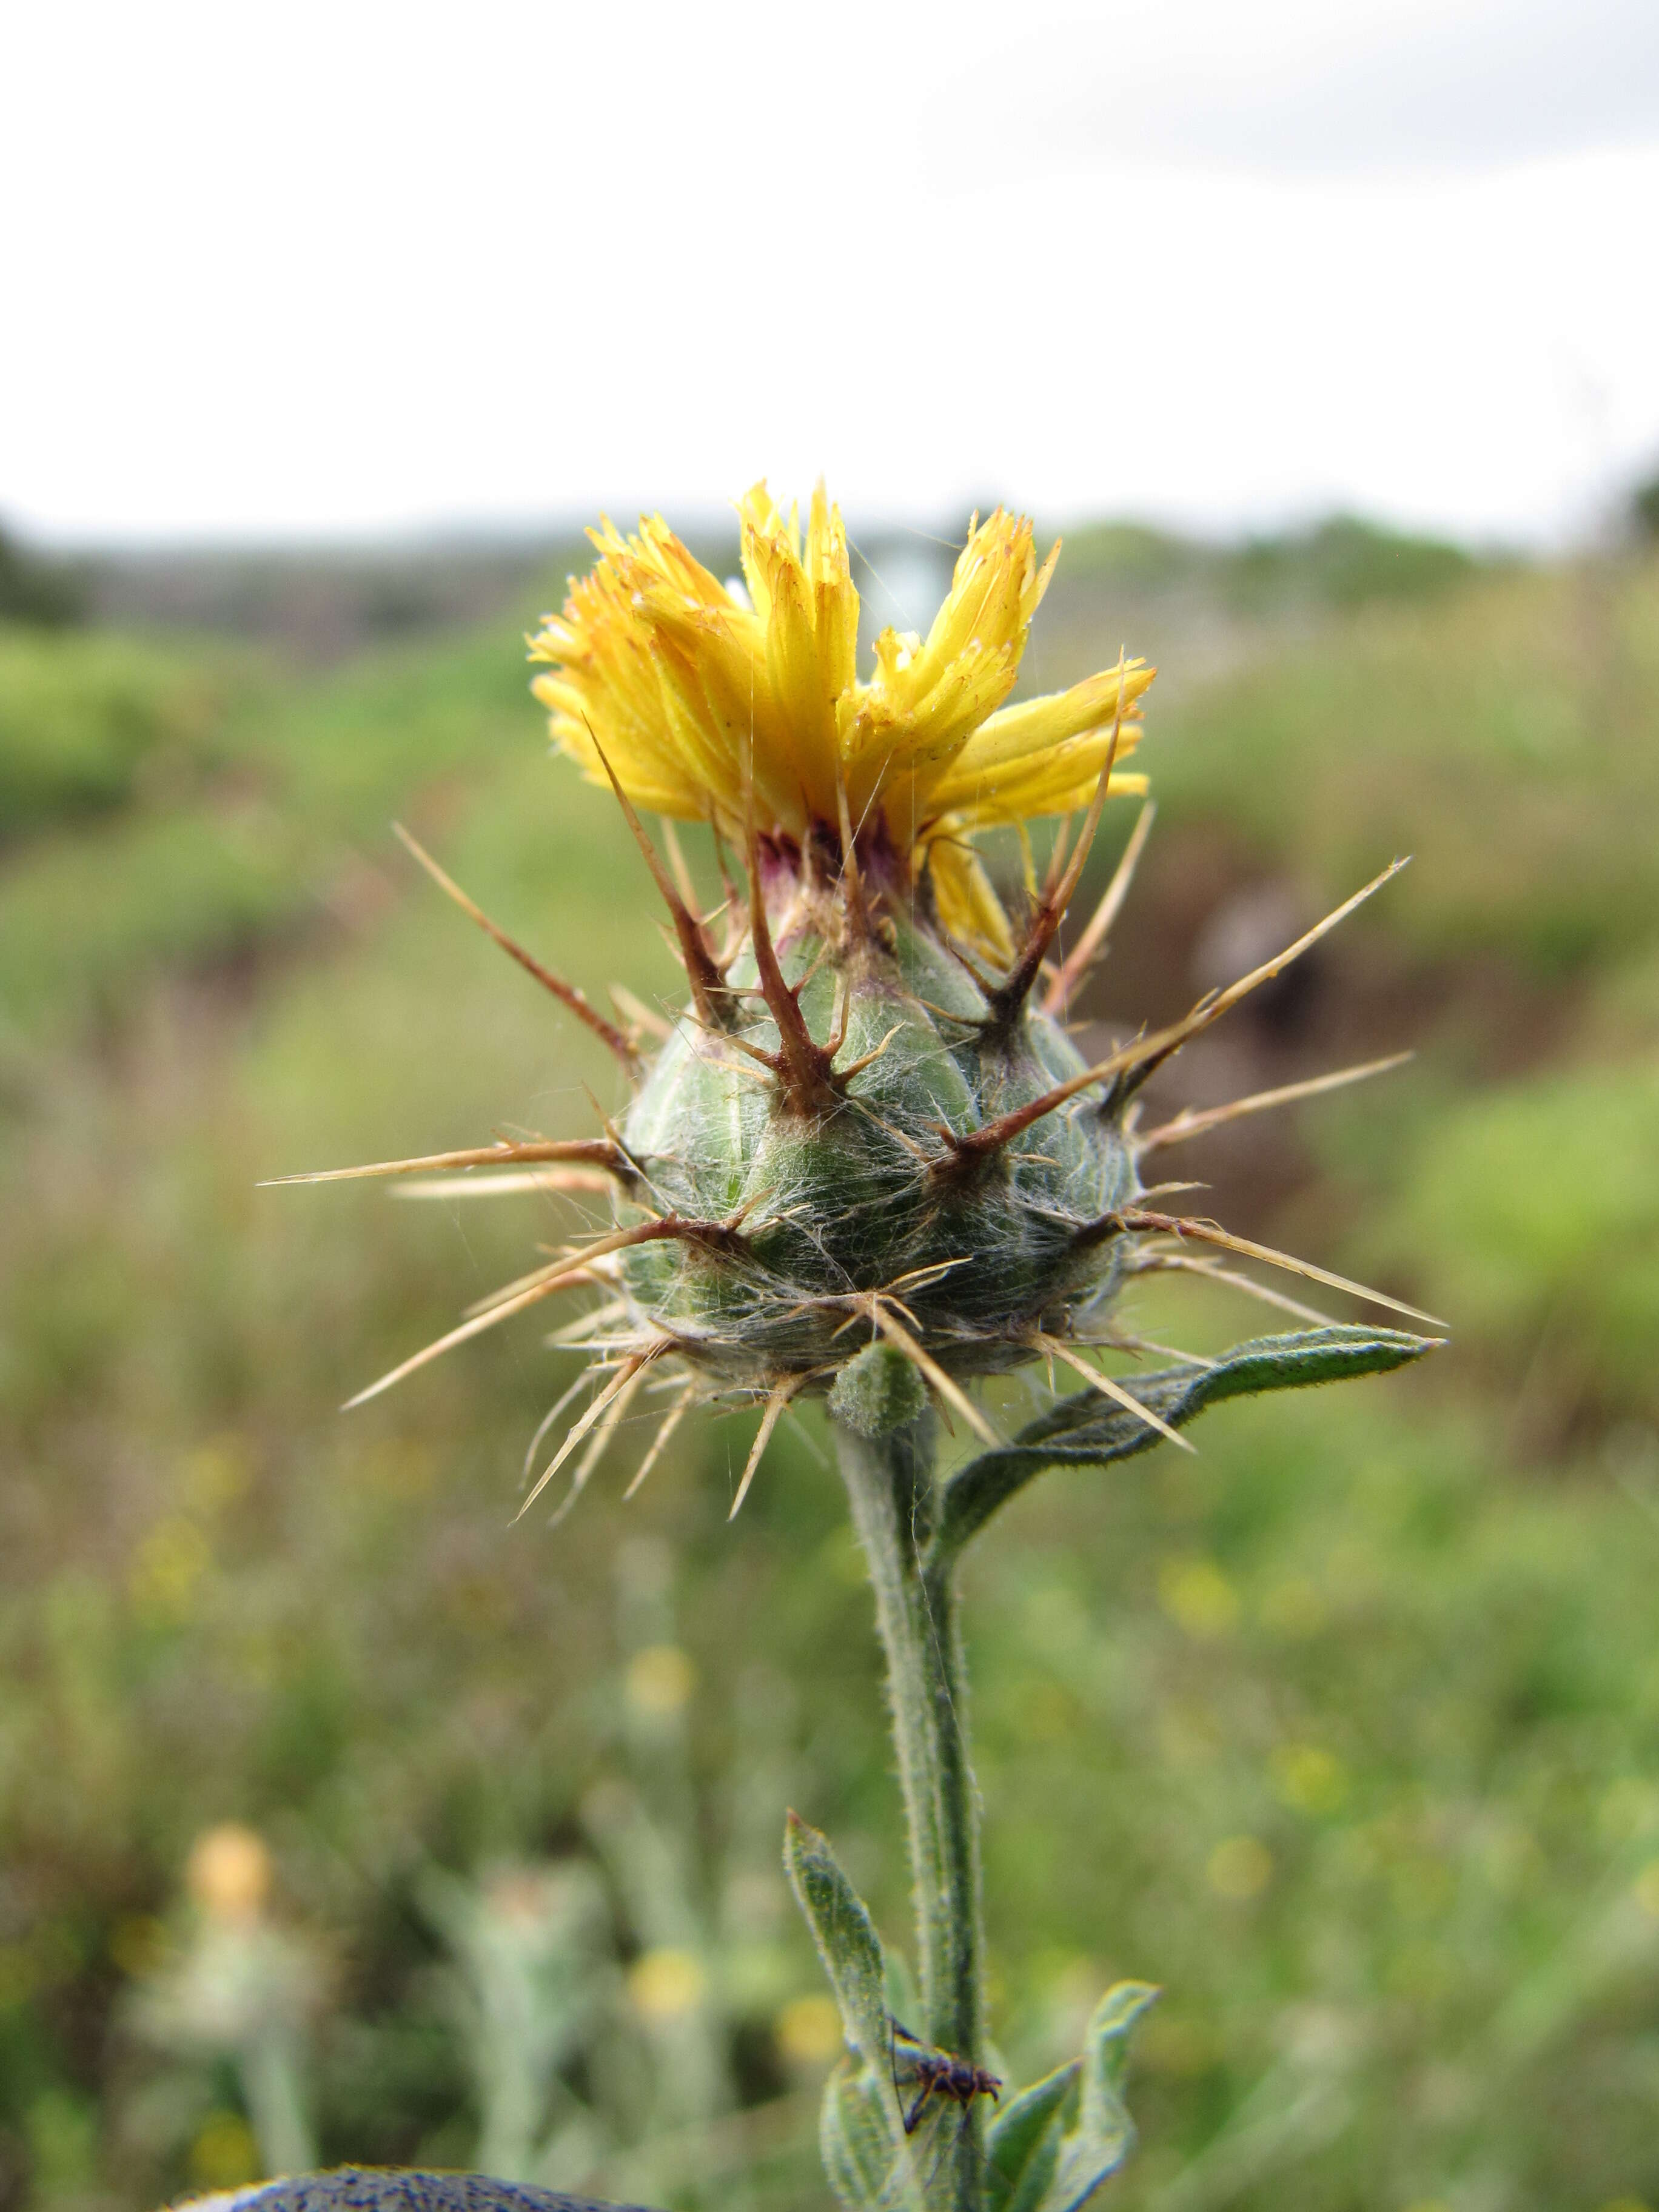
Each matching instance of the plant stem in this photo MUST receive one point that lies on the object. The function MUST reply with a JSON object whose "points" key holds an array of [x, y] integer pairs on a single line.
{"points": [[890, 1484]]}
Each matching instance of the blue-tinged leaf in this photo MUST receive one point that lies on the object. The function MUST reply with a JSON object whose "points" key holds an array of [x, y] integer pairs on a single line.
{"points": [[1092, 2150], [1023, 2143]]}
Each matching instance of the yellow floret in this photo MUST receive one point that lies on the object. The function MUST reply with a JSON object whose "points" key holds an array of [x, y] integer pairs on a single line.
{"points": [[696, 698]]}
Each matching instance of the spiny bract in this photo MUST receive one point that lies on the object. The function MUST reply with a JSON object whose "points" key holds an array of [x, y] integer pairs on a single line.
{"points": [[866, 1158], [894, 1182]]}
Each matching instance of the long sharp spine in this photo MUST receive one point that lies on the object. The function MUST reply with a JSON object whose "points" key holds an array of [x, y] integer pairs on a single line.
{"points": [[1008, 998], [566, 993], [709, 994], [1126, 1069]]}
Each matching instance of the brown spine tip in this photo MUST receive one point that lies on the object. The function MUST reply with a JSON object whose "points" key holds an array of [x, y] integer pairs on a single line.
{"points": [[1007, 998], [803, 1069], [1140, 1220], [615, 1395], [670, 1422], [710, 993], [566, 993], [949, 1391], [777, 1400], [1194, 1121], [1214, 1004], [560, 1274], [1126, 1069], [1092, 943], [1108, 1386]]}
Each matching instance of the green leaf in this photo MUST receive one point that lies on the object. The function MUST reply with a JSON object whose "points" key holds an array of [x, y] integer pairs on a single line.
{"points": [[847, 1940], [1092, 2150], [1088, 1430], [1022, 2144], [862, 2142]]}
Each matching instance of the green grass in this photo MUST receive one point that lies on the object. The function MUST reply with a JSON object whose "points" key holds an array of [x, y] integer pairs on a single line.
{"points": [[1344, 1733], [1532, 1213], [285, 820], [1345, 1742]]}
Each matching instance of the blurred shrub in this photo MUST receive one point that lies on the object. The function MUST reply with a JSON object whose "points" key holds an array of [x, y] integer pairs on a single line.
{"points": [[1341, 563], [83, 921], [1344, 562], [84, 720], [1509, 737], [256, 796], [36, 589], [1135, 558]]}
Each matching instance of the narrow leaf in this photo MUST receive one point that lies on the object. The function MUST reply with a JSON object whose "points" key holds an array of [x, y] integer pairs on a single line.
{"points": [[1086, 1430], [862, 2144], [1022, 2144], [1106, 2046], [1093, 2151], [847, 1940]]}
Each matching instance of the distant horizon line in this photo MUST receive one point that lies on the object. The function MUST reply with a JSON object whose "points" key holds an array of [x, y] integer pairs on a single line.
{"points": [[710, 522]]}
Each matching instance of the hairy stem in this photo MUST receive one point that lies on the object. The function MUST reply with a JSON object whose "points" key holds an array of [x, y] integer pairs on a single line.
{"points": [[890, 1486]]}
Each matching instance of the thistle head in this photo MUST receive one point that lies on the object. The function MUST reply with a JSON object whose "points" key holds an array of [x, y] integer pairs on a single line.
{"points": [[866, 1160], [843, 1097]]}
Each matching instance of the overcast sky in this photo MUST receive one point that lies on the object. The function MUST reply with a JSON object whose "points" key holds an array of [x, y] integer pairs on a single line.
{"points": [[348, 267]]}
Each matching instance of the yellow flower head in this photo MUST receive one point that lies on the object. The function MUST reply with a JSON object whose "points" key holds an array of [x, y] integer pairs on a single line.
{"points": [[698, 698]]}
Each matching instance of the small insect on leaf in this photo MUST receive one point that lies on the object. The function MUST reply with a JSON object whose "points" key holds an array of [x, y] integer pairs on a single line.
{"points": [[925, 2072], [927, 2084]]}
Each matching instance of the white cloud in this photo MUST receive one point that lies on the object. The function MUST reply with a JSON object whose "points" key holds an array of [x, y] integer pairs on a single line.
{"points": [[1380, 86], [365, 267]]}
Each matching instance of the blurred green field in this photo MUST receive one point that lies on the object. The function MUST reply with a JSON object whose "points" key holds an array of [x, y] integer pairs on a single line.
{"points": [[1345, 1732]]}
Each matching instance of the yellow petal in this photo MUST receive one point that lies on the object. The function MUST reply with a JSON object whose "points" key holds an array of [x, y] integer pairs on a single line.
{"points": [[697, 698], [1036, 725], [835, 597], [968, 908], [799, 706]]}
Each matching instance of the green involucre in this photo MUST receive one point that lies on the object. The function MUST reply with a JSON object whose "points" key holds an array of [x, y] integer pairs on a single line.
{"points": [[861, 1198]]}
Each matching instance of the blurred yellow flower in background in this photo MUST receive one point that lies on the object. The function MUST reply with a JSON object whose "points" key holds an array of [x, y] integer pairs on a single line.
{"points": [[1240, 1868], [667, 1983], [229, 1873], [809, 2031], [660, 1680]]}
